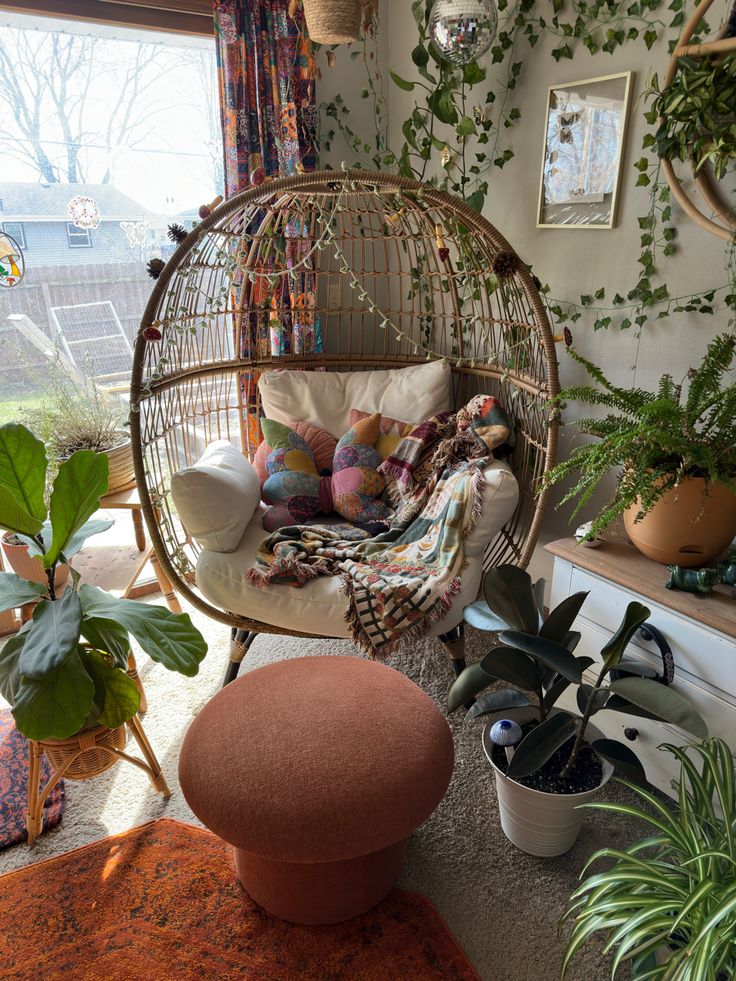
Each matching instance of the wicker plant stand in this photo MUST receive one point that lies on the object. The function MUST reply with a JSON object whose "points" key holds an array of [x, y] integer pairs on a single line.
{"points": [[85, 755]]}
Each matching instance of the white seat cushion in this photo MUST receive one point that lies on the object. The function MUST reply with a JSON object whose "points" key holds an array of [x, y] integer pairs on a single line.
{"points": [[325, 398], [319, 607]]}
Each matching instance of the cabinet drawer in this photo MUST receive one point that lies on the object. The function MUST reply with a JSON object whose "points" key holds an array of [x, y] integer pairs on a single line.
{"points": [[700, 652], [661, 768]]}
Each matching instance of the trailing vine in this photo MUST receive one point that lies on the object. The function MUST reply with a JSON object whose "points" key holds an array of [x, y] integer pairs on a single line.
{"points": [[461, 125]]}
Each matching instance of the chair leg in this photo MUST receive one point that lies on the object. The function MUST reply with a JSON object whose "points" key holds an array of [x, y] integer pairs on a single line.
{"points": [[454, 643], [240, 641]]}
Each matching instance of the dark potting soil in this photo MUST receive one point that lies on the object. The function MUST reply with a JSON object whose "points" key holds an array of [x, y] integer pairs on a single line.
{"points": [[585, 775]]}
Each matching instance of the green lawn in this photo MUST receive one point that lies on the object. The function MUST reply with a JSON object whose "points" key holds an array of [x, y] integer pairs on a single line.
{"points": [[11, 409]]}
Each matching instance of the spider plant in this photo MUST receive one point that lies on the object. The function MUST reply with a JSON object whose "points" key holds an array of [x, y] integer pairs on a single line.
{"points": [[667, 905]]}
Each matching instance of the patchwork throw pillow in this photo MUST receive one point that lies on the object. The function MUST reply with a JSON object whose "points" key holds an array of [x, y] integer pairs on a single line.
{"points": [[392, 431], [320, 442], [297, 491]]}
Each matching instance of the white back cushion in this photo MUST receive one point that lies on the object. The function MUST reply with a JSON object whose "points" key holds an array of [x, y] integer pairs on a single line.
{"points": [[217, 497], [325, 398]]}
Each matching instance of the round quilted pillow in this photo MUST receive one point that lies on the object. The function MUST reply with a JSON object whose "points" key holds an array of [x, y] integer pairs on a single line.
{"points": [[321, 443]]}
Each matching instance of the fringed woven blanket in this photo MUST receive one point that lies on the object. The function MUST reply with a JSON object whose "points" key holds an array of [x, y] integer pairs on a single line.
{"points": [[401, 581]]}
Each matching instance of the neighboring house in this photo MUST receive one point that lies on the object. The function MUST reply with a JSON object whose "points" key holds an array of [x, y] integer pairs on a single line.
{"points": [[36, 216]]}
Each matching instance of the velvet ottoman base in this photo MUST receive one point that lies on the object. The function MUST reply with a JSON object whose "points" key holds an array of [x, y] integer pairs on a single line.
{"points": [[317, 893]]}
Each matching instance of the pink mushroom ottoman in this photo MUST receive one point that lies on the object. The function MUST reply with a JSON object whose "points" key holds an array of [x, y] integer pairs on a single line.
{"points": [[317, 770]]}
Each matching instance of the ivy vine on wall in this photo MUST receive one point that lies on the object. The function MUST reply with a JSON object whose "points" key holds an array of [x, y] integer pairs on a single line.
{"points": [[460, 130]]}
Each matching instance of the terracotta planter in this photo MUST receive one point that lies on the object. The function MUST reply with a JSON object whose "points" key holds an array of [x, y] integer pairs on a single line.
{"points": [[536, 822], [27, 566], [120, 458], [333, 21], [685, 527], [84, 752]]}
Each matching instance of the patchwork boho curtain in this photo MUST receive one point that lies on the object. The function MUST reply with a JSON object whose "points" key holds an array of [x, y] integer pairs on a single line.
{"points": [[267, 96], [268, 109]]}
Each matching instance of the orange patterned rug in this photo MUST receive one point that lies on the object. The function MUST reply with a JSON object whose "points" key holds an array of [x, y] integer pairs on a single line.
{"points": [[162, 902]]}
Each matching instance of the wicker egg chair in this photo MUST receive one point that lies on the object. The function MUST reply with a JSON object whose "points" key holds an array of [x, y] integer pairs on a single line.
{"points": [[402, 274]]}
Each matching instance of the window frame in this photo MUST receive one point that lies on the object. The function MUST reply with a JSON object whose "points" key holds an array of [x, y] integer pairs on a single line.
{"points": [[19, 238], [171, 16], [73, 231]]}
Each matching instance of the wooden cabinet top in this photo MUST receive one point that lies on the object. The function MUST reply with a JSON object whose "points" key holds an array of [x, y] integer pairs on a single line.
{"points": [[621, 563]]}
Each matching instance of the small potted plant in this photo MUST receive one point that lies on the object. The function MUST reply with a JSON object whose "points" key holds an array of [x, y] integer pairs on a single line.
{"points": [[556, 759], [666, 904], [65, 672], [76, 414], [675, 448]]}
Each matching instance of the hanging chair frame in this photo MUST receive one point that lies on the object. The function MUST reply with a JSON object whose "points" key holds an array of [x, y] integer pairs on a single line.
{"points": [[165, 419]]}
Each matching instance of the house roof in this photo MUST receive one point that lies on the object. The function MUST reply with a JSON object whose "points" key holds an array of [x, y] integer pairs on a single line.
{"points": [[49, 202]]}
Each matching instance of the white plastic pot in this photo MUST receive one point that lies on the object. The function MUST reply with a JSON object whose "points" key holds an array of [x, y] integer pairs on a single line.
{"points": [[536, 822]]}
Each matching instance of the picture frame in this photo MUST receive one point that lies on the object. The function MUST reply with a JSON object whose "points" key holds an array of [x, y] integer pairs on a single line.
{"points": [[583, 151]]}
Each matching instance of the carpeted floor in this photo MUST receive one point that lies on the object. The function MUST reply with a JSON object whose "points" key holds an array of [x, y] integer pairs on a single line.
{"points": [[503, 906]]}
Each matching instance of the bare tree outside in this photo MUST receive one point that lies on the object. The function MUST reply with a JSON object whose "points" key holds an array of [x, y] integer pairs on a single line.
{"points": [[133, 121], [76, 100]]}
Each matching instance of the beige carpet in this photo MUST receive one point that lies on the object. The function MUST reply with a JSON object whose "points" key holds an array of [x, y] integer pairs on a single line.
{"points": [[503, 906]]}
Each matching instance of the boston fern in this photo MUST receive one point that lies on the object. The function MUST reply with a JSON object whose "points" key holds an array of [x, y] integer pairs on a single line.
{"points": [[666, 905], [657, 438]]}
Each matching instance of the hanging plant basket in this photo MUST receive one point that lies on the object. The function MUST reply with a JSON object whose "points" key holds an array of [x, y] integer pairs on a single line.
{"points": [[333, 21]]}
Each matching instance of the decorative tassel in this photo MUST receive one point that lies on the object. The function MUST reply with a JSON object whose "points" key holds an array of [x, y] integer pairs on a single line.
{"points": [[155, 267], [206, 210]]}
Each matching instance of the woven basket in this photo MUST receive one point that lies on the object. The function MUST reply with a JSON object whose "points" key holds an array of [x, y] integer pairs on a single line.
{"points": [[92, 759], [122, 474], [333, 21]]}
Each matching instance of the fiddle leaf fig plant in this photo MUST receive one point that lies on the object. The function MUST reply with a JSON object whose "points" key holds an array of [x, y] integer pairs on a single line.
{"points": [[66, 669], [536, 655]]}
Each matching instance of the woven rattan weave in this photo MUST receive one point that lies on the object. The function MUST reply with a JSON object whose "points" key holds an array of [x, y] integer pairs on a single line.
{"points": [[400, 273]]}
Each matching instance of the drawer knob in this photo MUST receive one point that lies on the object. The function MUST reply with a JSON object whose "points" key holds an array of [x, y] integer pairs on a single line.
{"points": [[630, 733]]}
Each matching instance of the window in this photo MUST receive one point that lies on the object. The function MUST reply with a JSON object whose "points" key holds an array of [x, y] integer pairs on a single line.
{"points": [[114, 127], [79, 238], [16, 231]]}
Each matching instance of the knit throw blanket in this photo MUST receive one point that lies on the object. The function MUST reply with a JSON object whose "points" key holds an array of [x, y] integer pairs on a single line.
{"points": [[401, 581]]}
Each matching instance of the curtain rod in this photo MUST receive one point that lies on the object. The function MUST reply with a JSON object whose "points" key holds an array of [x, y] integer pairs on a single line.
{"points": [[167, 15]]}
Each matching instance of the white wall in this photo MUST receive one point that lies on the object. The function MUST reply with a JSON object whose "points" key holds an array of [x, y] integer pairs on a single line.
{"points": [[579, 260]]}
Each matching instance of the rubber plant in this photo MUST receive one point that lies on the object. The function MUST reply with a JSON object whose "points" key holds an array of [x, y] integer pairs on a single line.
{"points": [[666, 904], [537, 656], [66, 669]]}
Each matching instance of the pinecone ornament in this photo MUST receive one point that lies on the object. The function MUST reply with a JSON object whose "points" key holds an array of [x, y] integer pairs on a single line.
{"points": [[155, 267], [505, 264]]}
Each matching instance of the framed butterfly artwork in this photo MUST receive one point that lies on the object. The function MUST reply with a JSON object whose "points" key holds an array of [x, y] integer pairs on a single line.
{"points": [[584, 144]]}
